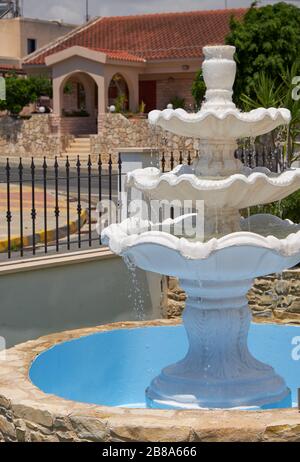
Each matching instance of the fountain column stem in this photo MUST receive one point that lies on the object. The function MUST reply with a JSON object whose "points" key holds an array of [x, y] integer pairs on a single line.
{"points": [[216, 158], [218, 370]]}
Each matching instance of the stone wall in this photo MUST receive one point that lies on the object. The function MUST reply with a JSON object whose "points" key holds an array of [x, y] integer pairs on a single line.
{"points": [[49, 135], [277, 297], [37, 136], [274, 298], [116, 131]]}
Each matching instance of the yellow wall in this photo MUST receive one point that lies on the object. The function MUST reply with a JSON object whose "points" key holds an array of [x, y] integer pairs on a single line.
{"points": [[10, 38], [15, 32]]}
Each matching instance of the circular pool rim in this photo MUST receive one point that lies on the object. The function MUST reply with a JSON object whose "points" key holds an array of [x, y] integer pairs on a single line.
{"points": [[33, 415]]}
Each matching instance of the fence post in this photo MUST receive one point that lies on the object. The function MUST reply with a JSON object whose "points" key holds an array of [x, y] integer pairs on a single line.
{"points": [[8, 213], [33, 209]]}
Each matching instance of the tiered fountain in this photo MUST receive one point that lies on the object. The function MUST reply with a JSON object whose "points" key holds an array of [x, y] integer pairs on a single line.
{"points": [[217, 272]]}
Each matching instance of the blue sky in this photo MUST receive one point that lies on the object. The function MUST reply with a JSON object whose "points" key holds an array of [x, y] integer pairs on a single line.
{"points": [[74, 10]]}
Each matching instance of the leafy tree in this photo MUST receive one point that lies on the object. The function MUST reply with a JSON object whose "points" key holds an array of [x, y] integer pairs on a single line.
{"points": [[288, 208], [267, 39], [198, 89], [22, 91]]}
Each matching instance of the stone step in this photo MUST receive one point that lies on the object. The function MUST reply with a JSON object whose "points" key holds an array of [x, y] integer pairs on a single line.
{"points": [[80, 143]]}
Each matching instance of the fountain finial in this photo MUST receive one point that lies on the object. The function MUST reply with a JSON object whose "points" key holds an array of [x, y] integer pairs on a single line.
{"points": [[219, 70]]}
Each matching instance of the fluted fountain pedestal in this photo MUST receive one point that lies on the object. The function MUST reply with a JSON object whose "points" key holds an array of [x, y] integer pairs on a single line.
{"points": [[218, 370]]}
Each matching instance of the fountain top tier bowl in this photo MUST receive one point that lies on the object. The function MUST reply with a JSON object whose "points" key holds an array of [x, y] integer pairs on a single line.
{"points": [[219, 118]]}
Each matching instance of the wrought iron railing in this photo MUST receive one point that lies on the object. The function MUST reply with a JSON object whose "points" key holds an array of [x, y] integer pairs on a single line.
{"points": [[51, 205], [263, 156]]}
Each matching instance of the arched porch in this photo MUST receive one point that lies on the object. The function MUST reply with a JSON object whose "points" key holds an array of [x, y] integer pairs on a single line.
{"points": [[79, 104], [86, 83]]}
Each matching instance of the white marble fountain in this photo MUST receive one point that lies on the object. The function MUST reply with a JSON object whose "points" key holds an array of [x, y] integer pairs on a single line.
{"points": [[217, 271]]}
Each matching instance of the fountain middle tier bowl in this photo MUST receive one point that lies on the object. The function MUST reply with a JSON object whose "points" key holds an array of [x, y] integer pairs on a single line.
{"points": [[224, 123], [241, 190], [239, 256]]}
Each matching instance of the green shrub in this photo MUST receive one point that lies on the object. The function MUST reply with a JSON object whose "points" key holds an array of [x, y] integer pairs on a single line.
{"points": [[22, 91], [177, 102], [198, 89], [288, 208]]}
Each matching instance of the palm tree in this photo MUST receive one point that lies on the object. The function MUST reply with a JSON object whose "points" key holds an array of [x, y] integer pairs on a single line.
{"points": [[269, 93]]}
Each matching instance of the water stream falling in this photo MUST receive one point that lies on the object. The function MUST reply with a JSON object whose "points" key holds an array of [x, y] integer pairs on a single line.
{"points": [[135, 294], [248, 217]]}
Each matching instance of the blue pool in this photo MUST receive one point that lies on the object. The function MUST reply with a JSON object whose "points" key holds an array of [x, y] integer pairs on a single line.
{"points": [[114, 368]]}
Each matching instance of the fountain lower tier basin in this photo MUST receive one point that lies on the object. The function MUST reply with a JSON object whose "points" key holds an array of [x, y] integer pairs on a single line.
{"points": [[114, 368], [239, 256]]}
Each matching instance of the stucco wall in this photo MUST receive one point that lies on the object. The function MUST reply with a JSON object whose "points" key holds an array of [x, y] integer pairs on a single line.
{"points": [[15, 32], [10, 38], [43, 31], [73, 295]]}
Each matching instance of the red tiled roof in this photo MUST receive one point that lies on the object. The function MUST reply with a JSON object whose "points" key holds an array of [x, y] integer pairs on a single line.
{"points": [[147, 37], [121, 55], [9, 67]]}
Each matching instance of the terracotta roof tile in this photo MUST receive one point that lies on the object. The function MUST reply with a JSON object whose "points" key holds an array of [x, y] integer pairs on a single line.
{"points": [[121, 55], [9, 67], [147, 37]]}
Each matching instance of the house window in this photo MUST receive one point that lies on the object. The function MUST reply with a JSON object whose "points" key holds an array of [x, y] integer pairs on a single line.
{"points": [[31, 45]]}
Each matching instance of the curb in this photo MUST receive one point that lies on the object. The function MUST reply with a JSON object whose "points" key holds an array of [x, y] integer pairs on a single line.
{"points": [[41, 236]]}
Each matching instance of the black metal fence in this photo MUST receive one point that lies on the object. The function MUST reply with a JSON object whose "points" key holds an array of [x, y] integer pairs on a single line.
{"points": [[263, 156], [51, 206]]}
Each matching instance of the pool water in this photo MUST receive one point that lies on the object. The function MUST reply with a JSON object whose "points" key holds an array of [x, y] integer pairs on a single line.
{"points": [[114, 368]]}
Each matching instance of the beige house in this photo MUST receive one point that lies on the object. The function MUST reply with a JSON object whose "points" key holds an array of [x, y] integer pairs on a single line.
{"points": [[126, 61], [21, 36]]}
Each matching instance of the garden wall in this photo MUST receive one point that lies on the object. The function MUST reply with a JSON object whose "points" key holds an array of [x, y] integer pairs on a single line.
{"points": [[37, 136], [49, 135], [116, 131], [271, 298]]}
